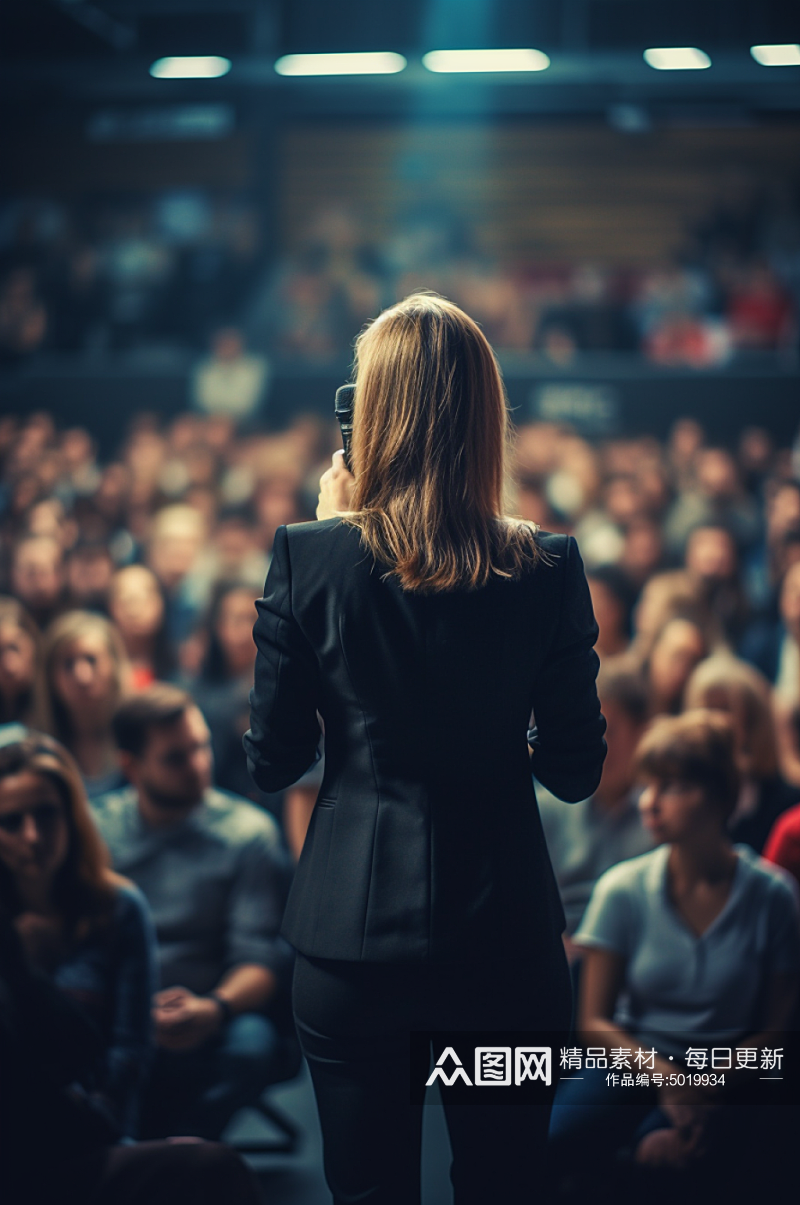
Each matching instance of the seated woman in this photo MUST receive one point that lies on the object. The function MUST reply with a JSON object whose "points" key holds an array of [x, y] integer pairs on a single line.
{"points": [[725, 683], [222, 688], [86, 675], [20, 664], [57, 1144], [696, 943], [678, 648], [136, 605], [87, 928]]}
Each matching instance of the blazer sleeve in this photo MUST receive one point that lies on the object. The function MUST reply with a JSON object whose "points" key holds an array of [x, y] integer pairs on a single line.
{"points": [[284, 730], [567, 741]]}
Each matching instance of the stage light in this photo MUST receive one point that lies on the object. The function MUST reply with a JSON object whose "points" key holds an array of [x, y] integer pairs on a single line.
{"points": [[676, 58], [196, 66], [785, 54], [521, 59], [383, 62]]}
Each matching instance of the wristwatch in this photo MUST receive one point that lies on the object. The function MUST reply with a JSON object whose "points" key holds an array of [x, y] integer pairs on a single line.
{"points": [[224, 1006]]}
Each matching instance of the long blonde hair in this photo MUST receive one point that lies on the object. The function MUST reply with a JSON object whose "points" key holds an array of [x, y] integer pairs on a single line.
{"points": [[430, 451]]}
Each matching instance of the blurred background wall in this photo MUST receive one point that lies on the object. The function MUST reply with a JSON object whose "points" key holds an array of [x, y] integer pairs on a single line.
{"points": [[625, 234]]}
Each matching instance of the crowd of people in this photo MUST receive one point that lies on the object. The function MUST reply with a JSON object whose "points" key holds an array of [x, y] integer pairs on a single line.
{"points": [[176, 268], [143, 875]]}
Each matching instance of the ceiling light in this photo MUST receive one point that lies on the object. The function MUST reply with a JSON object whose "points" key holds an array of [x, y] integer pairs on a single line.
{"points": [[785, 54], [676, 58], [383, 62], [196, 66], [486, 60]]}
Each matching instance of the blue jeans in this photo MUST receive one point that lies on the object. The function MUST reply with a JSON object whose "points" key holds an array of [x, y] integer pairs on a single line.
{"points": [[198, 1091], [592, 1121]]}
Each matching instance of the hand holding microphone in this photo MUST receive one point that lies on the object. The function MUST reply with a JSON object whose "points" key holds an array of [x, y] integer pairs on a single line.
{"points": [[336, 483], [335, 488]]}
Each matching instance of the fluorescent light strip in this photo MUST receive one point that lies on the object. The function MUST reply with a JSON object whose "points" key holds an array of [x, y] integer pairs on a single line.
{"points": [[383, 62], [204, 66], [786, 54], [676, 58], [485, 60]]}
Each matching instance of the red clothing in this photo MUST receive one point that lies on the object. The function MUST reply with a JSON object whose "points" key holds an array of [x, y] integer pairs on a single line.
{"points": [[783, 843], [141, 677]]}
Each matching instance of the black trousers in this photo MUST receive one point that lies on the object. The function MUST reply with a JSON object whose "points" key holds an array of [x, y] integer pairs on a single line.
{"points": [[353, 1021]]}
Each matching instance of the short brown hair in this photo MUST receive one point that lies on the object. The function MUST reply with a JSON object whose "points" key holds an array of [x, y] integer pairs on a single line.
{"points": [[698, 747], [157, 706]]}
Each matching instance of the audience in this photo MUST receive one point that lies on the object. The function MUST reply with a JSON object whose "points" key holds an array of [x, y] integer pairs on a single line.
{"points": [[586, 839], [231, 382], [211, 868], [692, 553], [38, 576], [123, 275], [677, 649], [724, 683], [136, 605], [711, 558], [613, 596], [20, 665], [696, 943], [126, 571], [85, 927], [222, 688], [58, 1141], [86, 674]]}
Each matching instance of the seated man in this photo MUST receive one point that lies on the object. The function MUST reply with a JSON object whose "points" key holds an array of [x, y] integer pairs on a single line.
{"points": [[586, 839], [215, 876]]}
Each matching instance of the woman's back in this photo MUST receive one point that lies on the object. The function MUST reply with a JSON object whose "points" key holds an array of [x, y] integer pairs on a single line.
{"points": [[424, 627], [426, 831]]}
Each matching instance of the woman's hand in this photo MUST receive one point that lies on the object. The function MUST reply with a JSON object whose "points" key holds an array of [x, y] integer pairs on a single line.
{"points": [[335, 488], [683, 1143], [687, 1106]]}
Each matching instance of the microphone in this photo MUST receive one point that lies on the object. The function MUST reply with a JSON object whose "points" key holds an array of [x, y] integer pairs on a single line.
{"points": [[343, 409]]}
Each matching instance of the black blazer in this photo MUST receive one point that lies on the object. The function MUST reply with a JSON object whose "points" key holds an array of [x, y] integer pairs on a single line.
{"points": [[425, 841]]}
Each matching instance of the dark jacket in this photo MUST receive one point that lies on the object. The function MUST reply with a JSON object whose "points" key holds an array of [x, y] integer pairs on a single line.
{"points": [[425, 841]]}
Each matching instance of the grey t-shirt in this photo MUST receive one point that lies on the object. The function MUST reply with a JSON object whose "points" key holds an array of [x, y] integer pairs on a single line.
{"points": [[584, 842], [216, 884], [682, 990]]}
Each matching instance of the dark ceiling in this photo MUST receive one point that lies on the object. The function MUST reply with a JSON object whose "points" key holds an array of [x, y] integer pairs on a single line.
{"points": [[62, 52]]}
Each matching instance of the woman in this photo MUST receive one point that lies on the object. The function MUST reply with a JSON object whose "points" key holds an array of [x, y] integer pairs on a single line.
{"points": [[724, 683], [222, 688], [424, 626], [612, 600], [677, 649], [137, 607], [87, 674], [83, 925], [695, 944], [20, 664]]}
